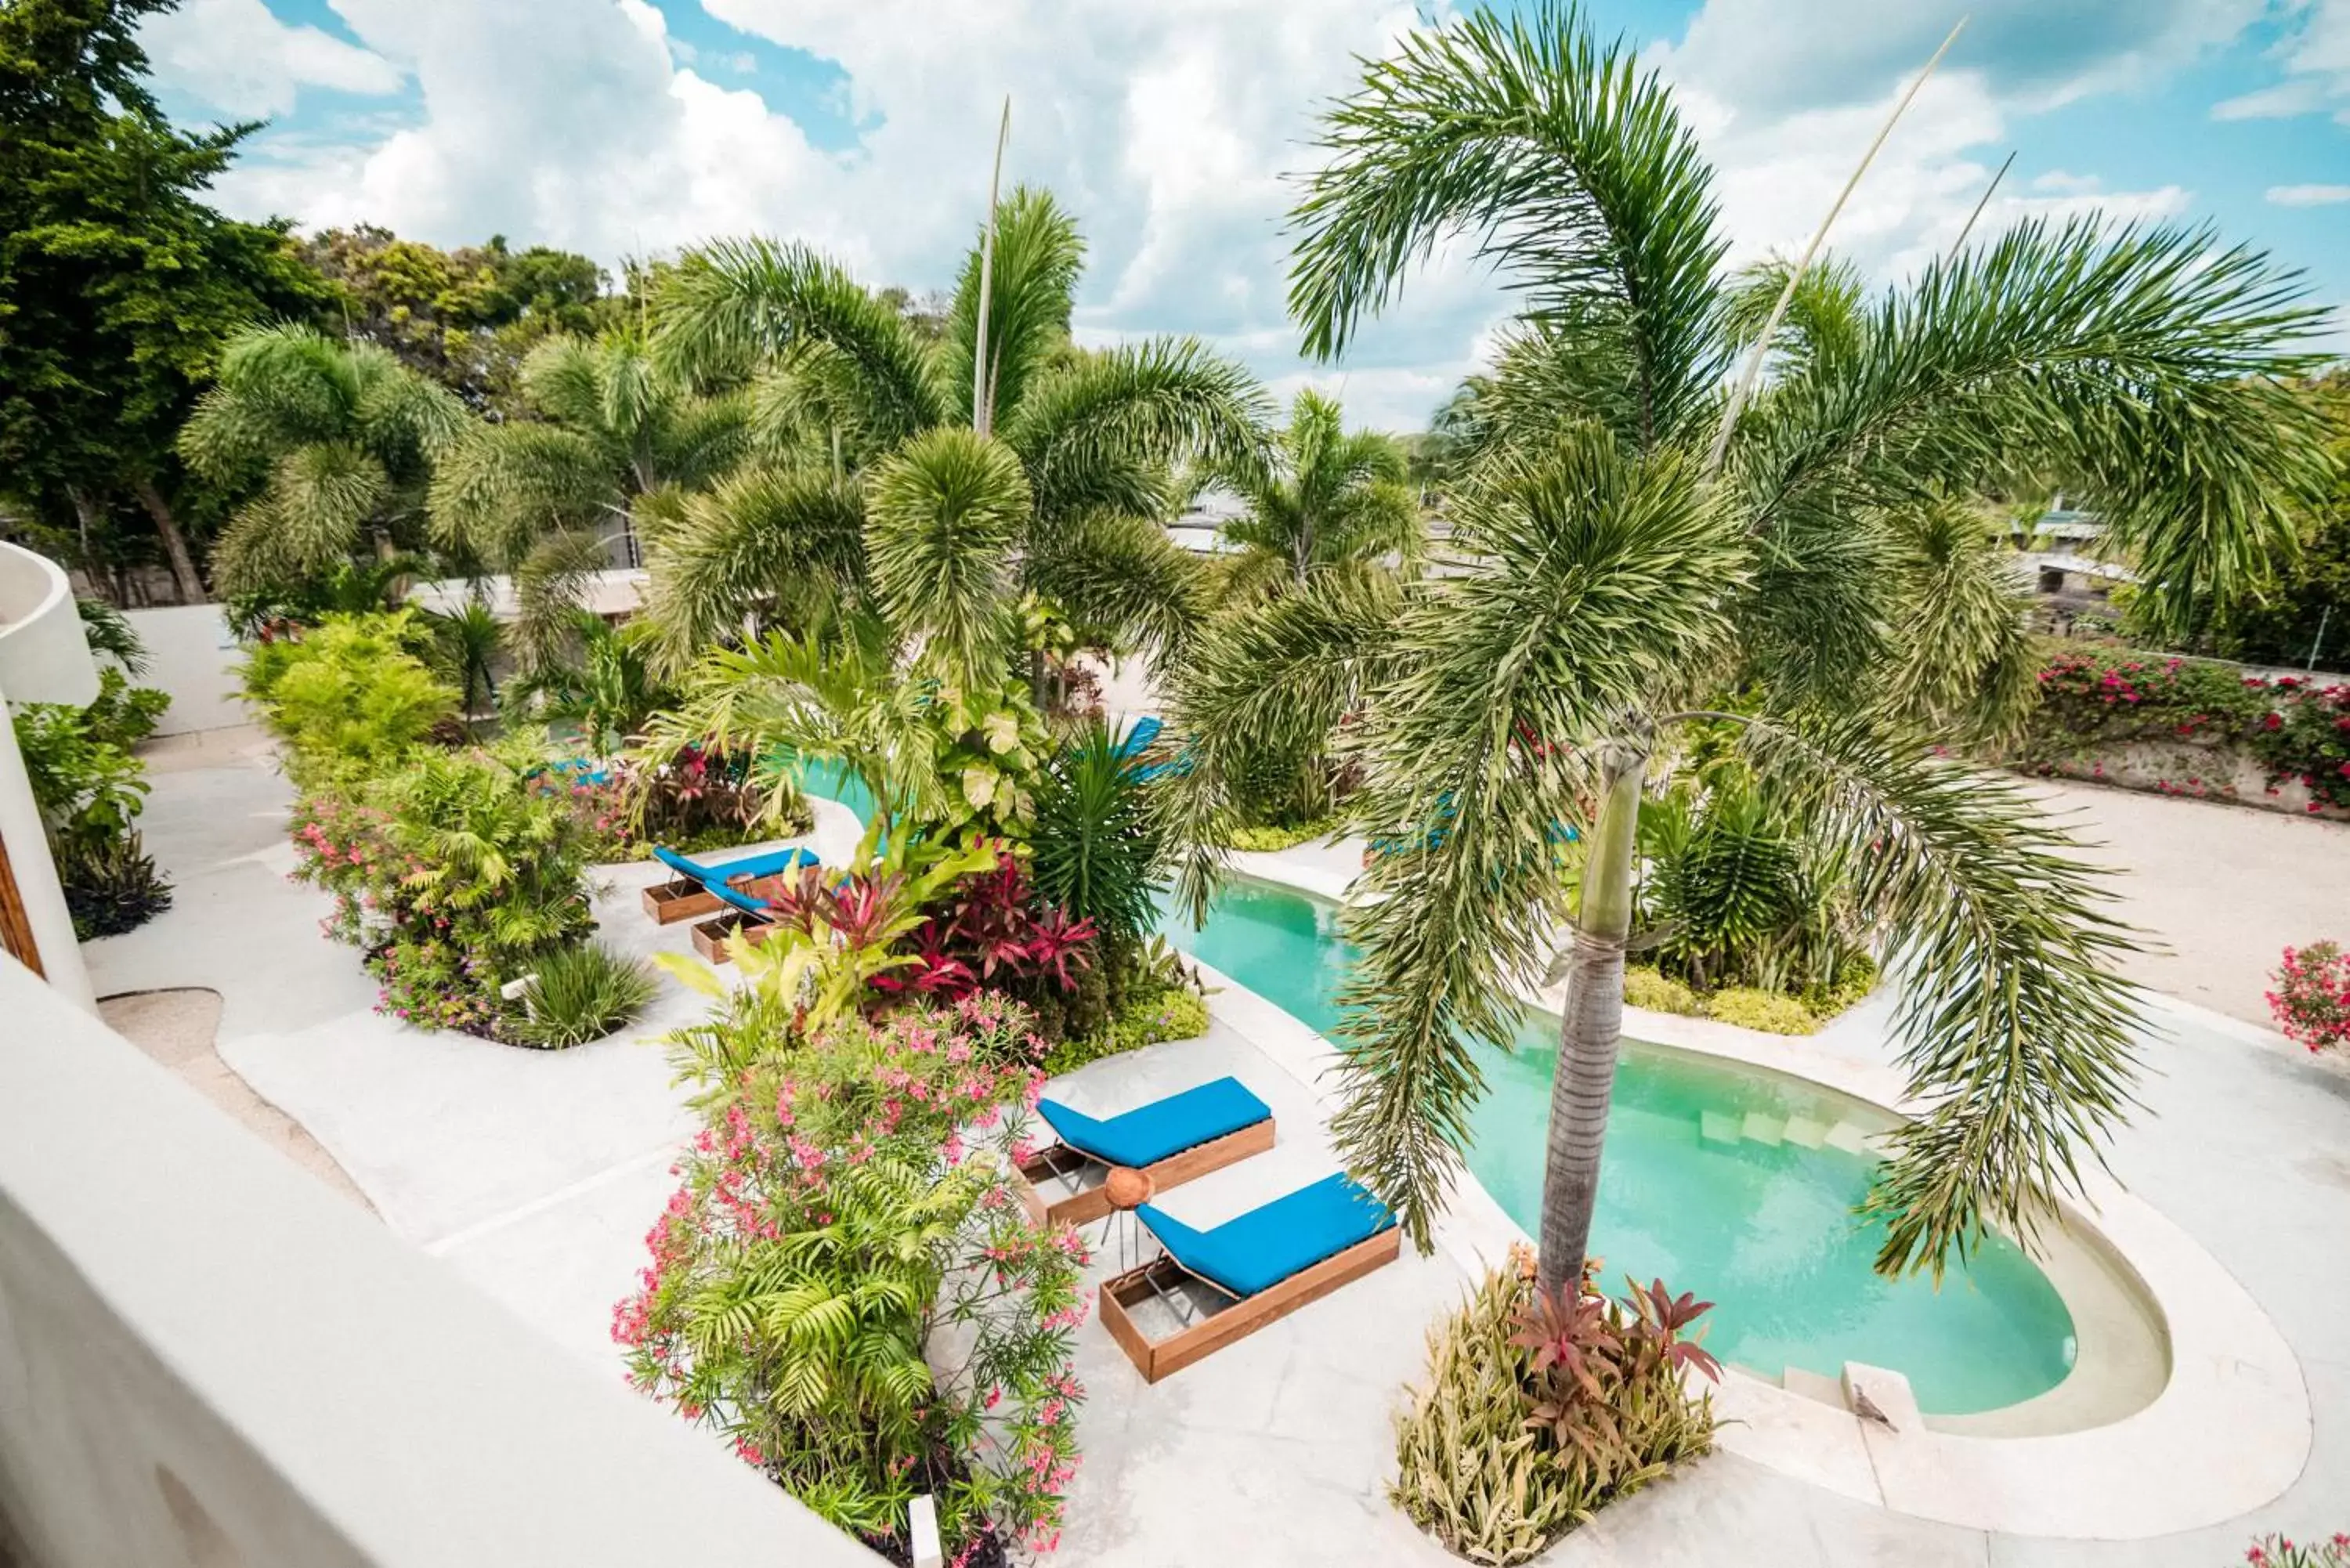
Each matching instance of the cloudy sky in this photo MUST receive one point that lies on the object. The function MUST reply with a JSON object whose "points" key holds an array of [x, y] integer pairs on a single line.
{"points": [[637, 127]]}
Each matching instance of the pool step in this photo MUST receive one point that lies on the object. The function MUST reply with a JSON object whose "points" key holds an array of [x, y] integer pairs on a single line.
{"points": [[1827, 1391], [1770, 1131]]}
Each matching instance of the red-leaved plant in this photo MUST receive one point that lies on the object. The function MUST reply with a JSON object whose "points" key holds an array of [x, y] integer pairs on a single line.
{"points": [[2312, 999], [1604, 1372]]}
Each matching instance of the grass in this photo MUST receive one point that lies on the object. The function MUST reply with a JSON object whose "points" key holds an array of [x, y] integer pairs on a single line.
{"points": [[1266, 837], [580, 995], [1771, 1012]]}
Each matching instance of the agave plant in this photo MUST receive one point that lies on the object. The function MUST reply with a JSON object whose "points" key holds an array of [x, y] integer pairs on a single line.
{"points": [[962, 479], [1610, 578]]}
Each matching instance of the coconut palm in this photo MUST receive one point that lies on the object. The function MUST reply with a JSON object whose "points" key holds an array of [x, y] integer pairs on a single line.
{"points": [[1326, 502], [327, 445], [1606, 580], [953, 490]]}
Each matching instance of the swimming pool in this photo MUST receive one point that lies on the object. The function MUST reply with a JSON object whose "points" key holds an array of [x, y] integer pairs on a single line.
{"points": [[1734, 1183]]}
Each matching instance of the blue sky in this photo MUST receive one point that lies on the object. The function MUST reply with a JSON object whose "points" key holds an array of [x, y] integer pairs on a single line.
{"points": [[625, 127]]}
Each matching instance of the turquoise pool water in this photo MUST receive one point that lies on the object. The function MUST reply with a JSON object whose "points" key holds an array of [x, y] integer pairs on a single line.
{"points": [[836, 782], [1708, 1183]]}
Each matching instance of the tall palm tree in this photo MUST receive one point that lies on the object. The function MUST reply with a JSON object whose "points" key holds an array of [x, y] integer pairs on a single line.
{"points": [[1605, 582], [947, 494], [544, 498], [1327, 501], [326, 444]]}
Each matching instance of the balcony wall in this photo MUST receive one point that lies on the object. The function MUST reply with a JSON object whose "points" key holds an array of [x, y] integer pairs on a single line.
{"points": [[207, 1358], [44, 657]]}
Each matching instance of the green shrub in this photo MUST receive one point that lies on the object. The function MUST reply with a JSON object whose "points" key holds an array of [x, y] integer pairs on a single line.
{"points": [[1764, 1010], [1150, 1013], [1094, 845], [1644, 987], [1536, 1413], [580, 995], [848, 1214], [123, 715], [351, 698], [1267, 837], [1856, 978], [89, 790]]}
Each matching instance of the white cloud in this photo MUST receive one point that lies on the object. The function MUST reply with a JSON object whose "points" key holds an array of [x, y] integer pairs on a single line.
{"points": [[240, 59], [2316, 55], [1170, 126], [2307, 195]]}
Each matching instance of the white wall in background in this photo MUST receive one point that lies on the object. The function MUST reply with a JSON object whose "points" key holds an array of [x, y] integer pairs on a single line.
{"points": [[44, 657], [195, 660]]}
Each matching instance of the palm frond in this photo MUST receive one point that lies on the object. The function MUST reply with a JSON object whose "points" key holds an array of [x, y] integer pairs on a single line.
{"points": [[944, 513], [1570, 169], [1120, 577], [764, 544], [550, 585], [1085, 432], [1032, 287], [735, 302], [2014, 1028], [496, 491]]}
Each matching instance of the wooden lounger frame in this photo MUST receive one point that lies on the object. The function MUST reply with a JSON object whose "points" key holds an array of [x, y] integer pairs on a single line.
{"points": [[681, 899], [1163, 1358], [1083, 1207], [714, 938]]}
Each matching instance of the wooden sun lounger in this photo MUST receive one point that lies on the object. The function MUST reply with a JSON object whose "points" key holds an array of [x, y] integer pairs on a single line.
{"points": [[1164, 1357]]}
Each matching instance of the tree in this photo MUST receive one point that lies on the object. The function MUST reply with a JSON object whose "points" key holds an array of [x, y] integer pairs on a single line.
{"points": [[1327, 502], [118, 285], [327, 445], [543, 497], [1048, 474], [2302, 614], [467, 317], [1615, 583]]}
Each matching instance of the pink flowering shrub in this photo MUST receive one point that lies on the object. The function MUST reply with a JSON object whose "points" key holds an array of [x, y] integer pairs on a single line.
{"points": [[2312, 999], [2294, 727], [846, 1284], [2283, 1552]]}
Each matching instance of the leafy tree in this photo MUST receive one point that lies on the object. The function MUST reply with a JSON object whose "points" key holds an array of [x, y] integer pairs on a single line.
{"points": [[1326, 502], [326, 444], [465, 319], [1623, 581], [988, 472], [118, 285]]}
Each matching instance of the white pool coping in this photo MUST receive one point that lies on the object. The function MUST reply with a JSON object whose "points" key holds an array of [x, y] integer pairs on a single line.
{"points": [[2229, 1430]]}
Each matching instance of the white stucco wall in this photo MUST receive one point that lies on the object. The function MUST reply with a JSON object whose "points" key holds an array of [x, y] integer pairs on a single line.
{"points": [[208, 1358], [44, 657], [193, 656]]}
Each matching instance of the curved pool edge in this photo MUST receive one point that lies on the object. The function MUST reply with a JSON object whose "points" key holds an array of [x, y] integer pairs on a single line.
{"points": [[2229, 1430]]}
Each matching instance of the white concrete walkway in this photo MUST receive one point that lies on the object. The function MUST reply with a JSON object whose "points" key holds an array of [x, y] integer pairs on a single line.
{"points": [[535, 1175]]}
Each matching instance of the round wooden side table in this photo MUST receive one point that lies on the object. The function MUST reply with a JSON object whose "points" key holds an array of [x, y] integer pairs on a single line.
{"points": [[1127, 1190]]}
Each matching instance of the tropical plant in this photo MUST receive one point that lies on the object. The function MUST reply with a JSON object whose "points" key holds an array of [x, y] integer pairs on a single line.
{"points": [[375, 583], [1542, 1406], [1325, 501], [1095, 848], [610, 694], [465, 643], [2283, 1552], [582, 993], [1628, 554], [995, 462], [543, 497], [326, 445], [111, 884], [2312, 999], [847, 1285], [351, 698], [111, 635], [89, 789]]}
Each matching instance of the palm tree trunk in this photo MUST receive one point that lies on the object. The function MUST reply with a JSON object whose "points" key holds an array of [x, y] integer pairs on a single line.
{"points": [[1592, 1024], [175, 542]]}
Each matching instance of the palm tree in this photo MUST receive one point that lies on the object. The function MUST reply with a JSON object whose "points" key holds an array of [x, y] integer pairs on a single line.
{"points": [[542, 498], [329, 445], [946, 495], [1326, 502], [1605, 582]]}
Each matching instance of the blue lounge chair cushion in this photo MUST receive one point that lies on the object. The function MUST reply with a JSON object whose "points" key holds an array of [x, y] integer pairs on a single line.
{"points": [[1138, 740], [1149, 1134], [712, 877], [1287, 1236]]}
